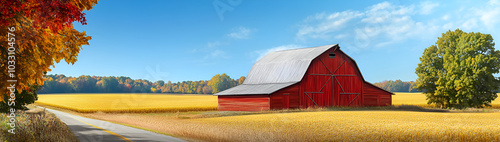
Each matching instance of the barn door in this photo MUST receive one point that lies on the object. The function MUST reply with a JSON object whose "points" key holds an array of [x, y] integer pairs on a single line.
{"points": [[317, 94], [286, 100], [345, 98]]}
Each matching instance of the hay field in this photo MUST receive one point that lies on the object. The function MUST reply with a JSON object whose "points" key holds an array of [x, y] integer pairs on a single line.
{"points": [[321, 126], [418, 99], [151, 103], [367, 126], [138, 103]]}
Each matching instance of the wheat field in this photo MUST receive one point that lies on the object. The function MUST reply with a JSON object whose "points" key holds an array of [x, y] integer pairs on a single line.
{"points": [[366, 126], [419, 99], [137, 103], [150, 103], [318, 125]]}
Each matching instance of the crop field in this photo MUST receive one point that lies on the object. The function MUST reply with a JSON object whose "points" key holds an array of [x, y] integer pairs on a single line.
{"points": [[139, 103], [418, 99], [150, 103], [322, 126], [368, 126]]}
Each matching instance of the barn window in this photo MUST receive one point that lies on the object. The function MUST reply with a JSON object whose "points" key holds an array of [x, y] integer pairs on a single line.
{"points": [[331, 55]]}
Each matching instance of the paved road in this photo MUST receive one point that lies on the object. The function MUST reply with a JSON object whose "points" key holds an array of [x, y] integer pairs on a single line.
{"points": [[92, 130]]}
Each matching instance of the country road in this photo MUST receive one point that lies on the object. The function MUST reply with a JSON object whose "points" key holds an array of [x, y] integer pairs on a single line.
{"points": [[92, 130]]}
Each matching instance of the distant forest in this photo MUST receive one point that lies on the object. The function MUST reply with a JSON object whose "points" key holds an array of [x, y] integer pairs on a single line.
{"points": [[97, 84], [400, 86], [397, 86]]}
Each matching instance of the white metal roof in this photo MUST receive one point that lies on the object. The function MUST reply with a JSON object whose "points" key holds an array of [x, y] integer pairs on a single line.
{"points": [[277, 70]]}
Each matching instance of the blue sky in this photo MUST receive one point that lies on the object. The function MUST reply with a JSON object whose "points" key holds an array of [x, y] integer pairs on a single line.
{"points": [[180, 40]]}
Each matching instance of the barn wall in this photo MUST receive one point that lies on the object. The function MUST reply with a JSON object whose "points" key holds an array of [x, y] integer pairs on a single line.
{"points": [[373, 96], [244, 103], [335, 91], [287, 98]]}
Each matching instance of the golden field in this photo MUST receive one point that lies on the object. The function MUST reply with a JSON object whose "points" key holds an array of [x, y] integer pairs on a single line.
{"points": [[150, 103], [141, 103], [418, 99], [320, 126], [300, 125], [369, 125]]}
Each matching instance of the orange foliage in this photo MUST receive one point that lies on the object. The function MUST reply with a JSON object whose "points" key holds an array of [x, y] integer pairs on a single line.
{"points": [[44, 35]]}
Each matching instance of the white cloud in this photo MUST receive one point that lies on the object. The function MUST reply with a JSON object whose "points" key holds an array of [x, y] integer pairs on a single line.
{"points": [[426, 7], [217, 54], [378, 25], [263, 53], [470, 24], [320, 25], [448, 25], [446, 17], [489, 14], [240, 33], [340, 36], [387, 24], [494, 2], [214, 44]]}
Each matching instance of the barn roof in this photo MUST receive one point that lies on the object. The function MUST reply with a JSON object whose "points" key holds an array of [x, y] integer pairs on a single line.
{"points": [[284, 66], [255, 89], [277, 70]]}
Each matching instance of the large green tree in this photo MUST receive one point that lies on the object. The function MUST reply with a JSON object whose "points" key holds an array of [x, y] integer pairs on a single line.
{"points": [[458, 70]]}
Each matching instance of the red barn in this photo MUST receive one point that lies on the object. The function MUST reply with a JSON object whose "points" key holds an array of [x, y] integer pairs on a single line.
{"points": [[321, 76]]}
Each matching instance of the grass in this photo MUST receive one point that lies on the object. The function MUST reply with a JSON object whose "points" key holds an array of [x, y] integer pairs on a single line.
{"points": [[419, 99], [123, 103], [43, 126]]}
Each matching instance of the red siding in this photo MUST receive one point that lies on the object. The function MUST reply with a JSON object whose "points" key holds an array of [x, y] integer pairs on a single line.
{"points": [[244, 103], [279, 98], [334, 81], [374, 96]]}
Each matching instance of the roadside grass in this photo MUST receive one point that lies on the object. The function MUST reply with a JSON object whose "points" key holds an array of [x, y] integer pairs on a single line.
{"points": [[35, 125]]}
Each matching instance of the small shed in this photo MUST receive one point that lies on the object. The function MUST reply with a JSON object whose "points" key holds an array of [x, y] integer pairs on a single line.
{"points": [[322, 76]]}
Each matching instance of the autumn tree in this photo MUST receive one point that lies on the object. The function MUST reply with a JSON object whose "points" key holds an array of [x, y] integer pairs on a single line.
{"points": [[110, 84], [43, 35], [241, 80], [458, 70], [220, 82], [84, 84]]}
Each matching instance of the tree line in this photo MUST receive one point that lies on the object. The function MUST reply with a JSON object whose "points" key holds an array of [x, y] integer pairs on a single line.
{"points": [[397, 86], [401, 86], [59, 83]]}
